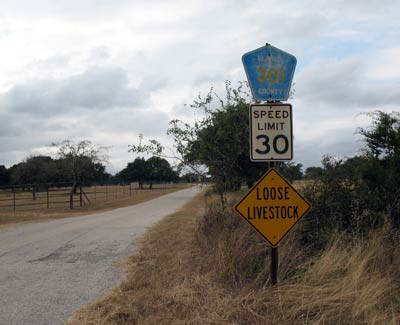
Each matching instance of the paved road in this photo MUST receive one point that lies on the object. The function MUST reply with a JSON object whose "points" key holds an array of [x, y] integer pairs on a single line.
{"points": [[49, 269]]}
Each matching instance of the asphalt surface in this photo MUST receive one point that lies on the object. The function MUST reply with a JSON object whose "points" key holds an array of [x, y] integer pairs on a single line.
{"points": [[49, 269]]}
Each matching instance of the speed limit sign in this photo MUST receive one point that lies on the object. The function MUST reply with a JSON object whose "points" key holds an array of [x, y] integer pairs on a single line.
{"points": [[271, 134]]}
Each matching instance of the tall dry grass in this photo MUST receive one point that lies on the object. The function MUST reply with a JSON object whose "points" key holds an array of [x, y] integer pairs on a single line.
{"points": [[213, 269], [351, 282]]}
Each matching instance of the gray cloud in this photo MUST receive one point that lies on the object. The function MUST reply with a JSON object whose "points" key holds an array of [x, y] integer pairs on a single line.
{"points": [[331, 81], [340, 142], [343, 85], [98, 88], [53, 62], [96, 104], [150, 122]]}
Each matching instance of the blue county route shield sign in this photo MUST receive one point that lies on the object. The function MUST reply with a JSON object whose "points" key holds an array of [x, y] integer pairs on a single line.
{"points": [[273, 207], [270, 72]]}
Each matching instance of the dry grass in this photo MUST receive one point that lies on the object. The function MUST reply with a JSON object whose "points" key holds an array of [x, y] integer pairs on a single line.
{"points": [[301, 184], [188, 272], [8, 216], [350, 283]]}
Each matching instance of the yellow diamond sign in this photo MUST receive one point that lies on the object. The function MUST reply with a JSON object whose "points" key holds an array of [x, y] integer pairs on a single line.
{"points": [[273, 207]]}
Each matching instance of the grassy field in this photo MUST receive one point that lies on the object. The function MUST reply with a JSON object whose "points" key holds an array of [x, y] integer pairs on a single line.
{"points": [[101, 199], [189, 271]]}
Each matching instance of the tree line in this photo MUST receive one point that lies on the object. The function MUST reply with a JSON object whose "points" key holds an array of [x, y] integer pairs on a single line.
{"points": [[45, 169], [83, 163], [74, 162]]}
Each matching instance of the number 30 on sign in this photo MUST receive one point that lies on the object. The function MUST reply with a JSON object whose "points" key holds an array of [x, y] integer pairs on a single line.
{"points": [[271, 133]]}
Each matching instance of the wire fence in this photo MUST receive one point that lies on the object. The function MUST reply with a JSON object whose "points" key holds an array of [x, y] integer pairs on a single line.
{"points": [[53, 195]]}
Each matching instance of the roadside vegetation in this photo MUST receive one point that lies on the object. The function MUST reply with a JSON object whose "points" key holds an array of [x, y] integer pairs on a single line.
{"points": [[205, 265]]}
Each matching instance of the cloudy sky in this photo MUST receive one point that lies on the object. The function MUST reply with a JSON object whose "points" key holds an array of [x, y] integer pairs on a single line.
{"points": [[107, 71]]}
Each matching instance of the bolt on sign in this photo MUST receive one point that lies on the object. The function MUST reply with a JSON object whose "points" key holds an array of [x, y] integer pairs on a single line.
{"points": [[271, 132], [273, 207], [270, 72]]}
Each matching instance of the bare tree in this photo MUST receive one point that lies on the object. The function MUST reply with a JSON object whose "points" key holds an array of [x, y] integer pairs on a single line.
{"points": [[79, 156]]}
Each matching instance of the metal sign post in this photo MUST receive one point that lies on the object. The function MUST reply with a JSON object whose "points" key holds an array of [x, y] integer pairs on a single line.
{"points": [[274, 261], [272, 206], [274, 265]]}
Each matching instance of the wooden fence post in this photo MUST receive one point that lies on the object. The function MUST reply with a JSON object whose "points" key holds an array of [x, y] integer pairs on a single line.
{"points": [[80, 195], [71, 197], [13, 188]]}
